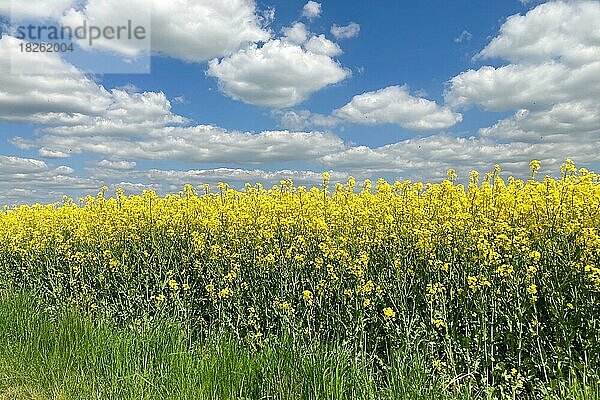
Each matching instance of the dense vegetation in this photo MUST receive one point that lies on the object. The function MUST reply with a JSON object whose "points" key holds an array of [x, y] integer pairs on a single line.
{"points": [[494, 285]]}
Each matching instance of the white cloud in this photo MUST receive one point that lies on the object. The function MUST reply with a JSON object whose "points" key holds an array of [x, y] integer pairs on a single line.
{"points": [[345, 32], [67, 100], [117, 165], [297, 33], [428, 159], [554, 56], [278, 74], [464, 36], [321, 45], [29, 180], [32, 97], [395, 105], [198, 30], [34, 9], [113, 13], [16, 165], [45, 153], [202, 143], [565, 31], [552, 81], [129, 114], [304, 119], [517, 86], [191, 30], [266, 17], [172, 180], [311, 10], [24, 180], [81, 116], [562, 123]]}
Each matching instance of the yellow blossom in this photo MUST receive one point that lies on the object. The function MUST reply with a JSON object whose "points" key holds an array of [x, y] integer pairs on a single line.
{"points": [[388, 313]]}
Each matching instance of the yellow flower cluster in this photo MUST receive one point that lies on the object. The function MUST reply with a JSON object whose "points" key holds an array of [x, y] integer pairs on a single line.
{"points": [[453, 267]]}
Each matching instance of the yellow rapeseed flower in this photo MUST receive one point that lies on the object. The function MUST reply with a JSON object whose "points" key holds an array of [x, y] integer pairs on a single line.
{"points": [[388, 313], [308, 297]]}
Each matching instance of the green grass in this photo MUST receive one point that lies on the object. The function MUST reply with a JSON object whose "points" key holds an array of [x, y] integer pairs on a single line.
{"points": [[66, 355]]}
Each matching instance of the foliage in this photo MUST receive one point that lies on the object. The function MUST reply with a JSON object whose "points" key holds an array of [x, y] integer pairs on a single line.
{"points": [[496, 284]]}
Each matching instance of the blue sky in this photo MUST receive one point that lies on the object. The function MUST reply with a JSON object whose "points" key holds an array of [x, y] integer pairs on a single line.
{"points": [[267, 90], [416, 47]]}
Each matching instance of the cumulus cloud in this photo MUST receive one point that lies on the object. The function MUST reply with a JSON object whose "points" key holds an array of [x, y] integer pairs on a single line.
{"points": [[321, 45], [516, 86], [12, 165], [81, 116], [551, 81], [564, 31], [117, 165], [390, 105], [304, 119], [345, 32], [129, 114], [28, 97], [554, 56], [46, 153], [297, 33], [562, 123], [395, 105], [200, 30], [311, 10], [278, 74], [191, 30], [65, 99], [425, 157]]}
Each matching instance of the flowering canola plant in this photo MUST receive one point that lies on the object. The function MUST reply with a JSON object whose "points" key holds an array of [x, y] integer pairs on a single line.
{"points": [[495, 280]]}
